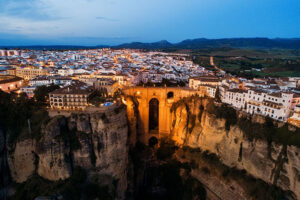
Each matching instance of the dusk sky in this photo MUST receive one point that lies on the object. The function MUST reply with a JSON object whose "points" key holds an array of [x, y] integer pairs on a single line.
{"points": [[93, 22]]}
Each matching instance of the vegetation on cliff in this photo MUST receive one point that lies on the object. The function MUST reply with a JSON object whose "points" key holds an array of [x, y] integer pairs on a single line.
{"points": [[209, 164], [73, 188], [15, 110], [41, 93], [268, 131], [20, 114]]}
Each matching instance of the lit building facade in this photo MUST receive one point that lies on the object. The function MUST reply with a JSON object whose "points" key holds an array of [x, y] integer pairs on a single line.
{"points": [[196, 82], [72, 97], [28, 73], [10, 83]]}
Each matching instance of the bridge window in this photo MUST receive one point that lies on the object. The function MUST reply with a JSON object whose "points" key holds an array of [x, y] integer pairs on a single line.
{"points": [[153, 115], [152, 141], [170, 95]]}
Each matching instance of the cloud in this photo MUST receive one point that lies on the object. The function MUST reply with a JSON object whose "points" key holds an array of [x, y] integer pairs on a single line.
{"points": [[107, 19], [34, 10]]}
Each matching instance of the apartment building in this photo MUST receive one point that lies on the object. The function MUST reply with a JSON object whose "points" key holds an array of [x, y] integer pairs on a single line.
{"points": [[10, 83], [28, 73], [196, 82], [72, 97], [274, 105], [106, 85], [235, 97], [48, 80]]}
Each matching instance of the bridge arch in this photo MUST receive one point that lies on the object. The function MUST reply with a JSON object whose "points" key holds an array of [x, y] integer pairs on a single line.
{"points": [[153, 116], [164, 98]]}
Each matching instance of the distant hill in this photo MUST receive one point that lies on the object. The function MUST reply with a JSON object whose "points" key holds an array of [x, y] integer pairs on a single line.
{"points": [[139, 45], [262, 43], [200, 43]]}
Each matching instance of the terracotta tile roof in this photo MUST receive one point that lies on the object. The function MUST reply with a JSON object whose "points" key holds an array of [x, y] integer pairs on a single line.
{"points": [[9, 80], [77, 87]]}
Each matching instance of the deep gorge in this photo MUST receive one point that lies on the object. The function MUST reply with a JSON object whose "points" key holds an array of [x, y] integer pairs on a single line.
{"points": [[211, 152]]}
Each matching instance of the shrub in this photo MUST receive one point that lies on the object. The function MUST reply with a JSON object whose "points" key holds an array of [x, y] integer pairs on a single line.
{"points": [[15, 110], [41, 93], [269, 132], [228, 113]]}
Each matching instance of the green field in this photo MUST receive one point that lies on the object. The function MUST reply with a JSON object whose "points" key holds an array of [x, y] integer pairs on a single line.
{"points": [[250, 63]]}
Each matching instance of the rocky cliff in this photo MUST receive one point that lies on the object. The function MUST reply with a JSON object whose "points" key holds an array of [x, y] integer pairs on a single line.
{"points": [[4, 172], [194, 126], [96, 142]]}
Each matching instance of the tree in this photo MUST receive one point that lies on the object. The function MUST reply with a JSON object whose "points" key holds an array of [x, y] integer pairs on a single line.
{"points": [[41, 93], [218, 95]]}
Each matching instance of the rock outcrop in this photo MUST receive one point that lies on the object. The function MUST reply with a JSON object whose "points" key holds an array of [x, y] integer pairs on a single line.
{"points": [[99, 142], [22, 160], [4, 169], [276, 164], [96, 142]]}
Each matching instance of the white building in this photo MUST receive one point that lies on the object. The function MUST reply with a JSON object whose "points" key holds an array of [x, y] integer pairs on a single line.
{"points": [[236, 98], [274, 105], [196, 82], [48, 80], [29, 90], [210, 91]]}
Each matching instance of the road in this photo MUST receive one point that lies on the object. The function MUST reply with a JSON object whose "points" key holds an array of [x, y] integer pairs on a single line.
{"points": [[212, 63]]}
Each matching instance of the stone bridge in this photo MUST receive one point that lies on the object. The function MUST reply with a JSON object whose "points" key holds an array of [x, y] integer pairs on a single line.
{"points": [[154, 107]]}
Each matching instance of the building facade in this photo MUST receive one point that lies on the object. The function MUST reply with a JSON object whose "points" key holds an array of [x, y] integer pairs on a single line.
{"points": [[10, 83], [28, 73], [72, 97]]}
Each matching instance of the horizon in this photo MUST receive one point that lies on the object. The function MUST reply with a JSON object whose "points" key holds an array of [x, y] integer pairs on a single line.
{"points": [[113, 22], [131, 42]]}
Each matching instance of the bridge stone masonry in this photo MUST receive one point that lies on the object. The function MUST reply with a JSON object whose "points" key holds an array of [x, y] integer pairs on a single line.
{"points": [[154, 104]]}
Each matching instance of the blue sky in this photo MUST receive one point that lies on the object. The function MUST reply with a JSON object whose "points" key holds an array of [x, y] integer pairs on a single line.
{"points": [[92, 22]]}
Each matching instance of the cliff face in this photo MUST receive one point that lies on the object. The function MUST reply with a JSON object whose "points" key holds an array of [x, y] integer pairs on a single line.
{"points": [[96, 142], [276, 164], [4, 172]]}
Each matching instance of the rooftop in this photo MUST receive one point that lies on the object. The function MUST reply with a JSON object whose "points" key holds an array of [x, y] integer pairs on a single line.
{"points": [[77, 87], [9, 79]]}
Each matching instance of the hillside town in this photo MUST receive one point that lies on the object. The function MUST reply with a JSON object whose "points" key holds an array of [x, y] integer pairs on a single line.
{"points": [[80, 72]]}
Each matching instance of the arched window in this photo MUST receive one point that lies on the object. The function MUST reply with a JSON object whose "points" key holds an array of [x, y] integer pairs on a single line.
{"points": [[153, 141], [170, 95]]}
